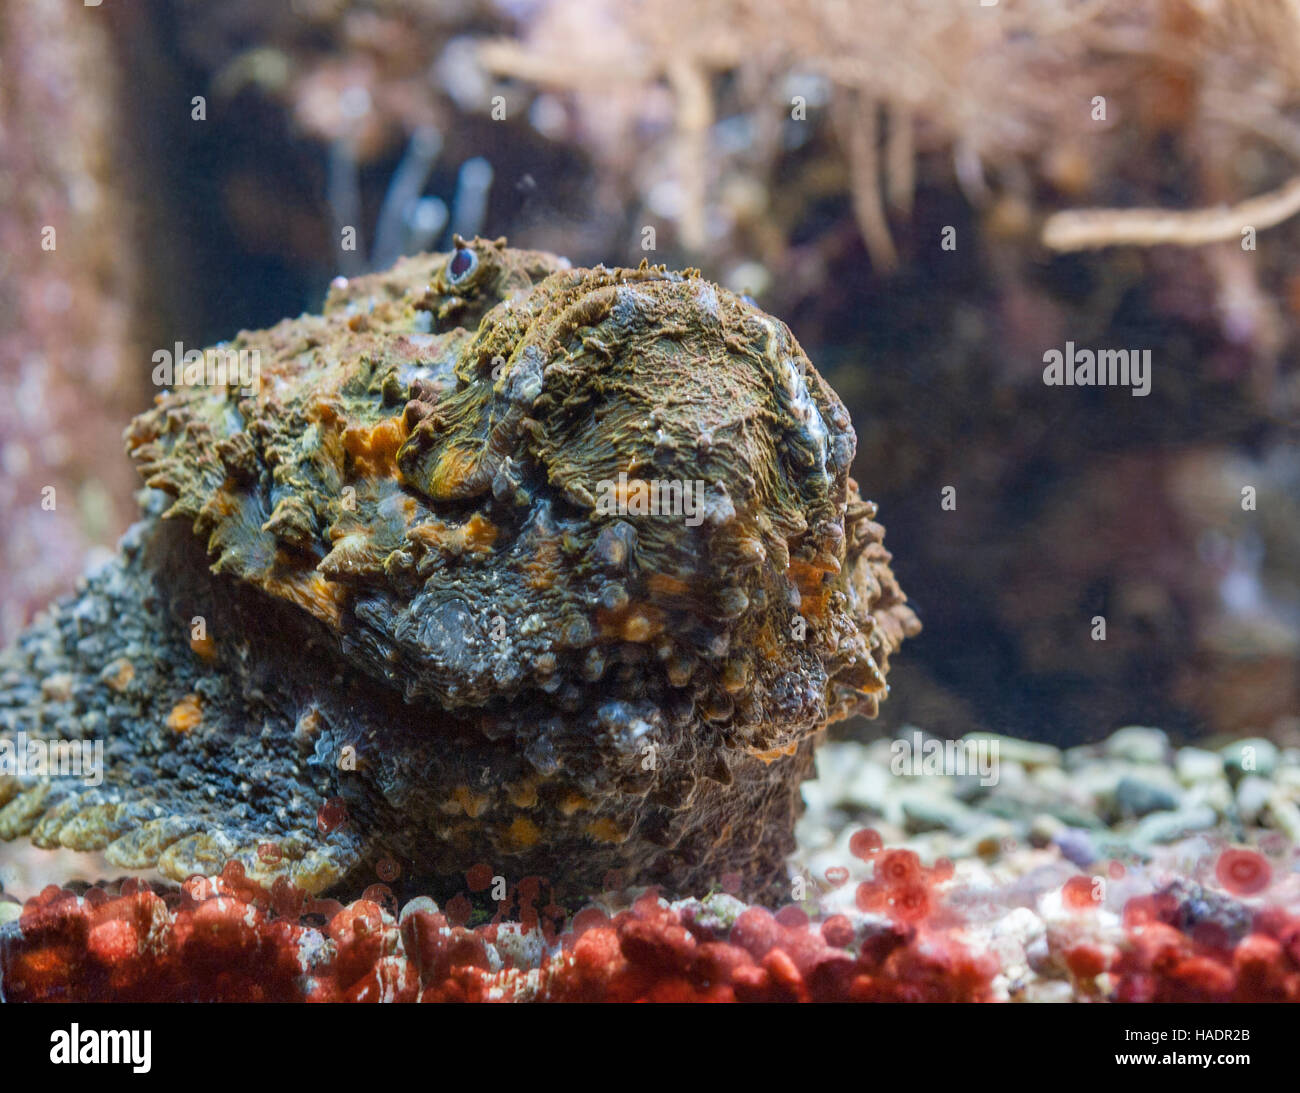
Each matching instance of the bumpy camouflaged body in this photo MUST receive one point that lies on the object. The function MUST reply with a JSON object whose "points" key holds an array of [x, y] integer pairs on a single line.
{"points": [[557, 570]]}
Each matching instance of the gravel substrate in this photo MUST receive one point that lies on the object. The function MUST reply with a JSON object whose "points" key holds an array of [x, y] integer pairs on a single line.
{"points": [[1127, 870], [1133, 814]]}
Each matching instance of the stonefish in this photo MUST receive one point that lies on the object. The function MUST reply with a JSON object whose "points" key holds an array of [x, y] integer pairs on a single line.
{"points": [[500, 562]]}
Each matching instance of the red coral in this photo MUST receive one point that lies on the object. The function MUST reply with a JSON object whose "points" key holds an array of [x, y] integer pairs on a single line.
{"points": [[358, 931], [459, 909], [756, 931], [898, 868], [1081, 893], [910, 902], [222, 948], [227, 938], [1243, 872], [1086, 961], [904, 890], [870, 896], [863, 844], [1161, 963], [587, 919], [331, 815], [838, 931], [792, 916], [836, 876]]}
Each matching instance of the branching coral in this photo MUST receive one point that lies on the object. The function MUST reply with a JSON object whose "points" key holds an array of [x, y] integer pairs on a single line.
{"points": [[670, 89], [1150, 227]]}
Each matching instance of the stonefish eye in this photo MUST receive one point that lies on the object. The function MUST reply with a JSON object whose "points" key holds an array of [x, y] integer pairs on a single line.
{"points": [[462, 264]]}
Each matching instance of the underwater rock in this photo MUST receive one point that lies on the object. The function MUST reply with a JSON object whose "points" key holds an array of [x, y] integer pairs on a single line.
{"points": [[495, 562]]}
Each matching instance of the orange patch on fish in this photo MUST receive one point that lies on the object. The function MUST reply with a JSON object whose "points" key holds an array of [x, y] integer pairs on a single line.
{"points": [[814, 590], [773, 754], [475, 536], [322, 411], [523, 833], [574, 802], [606, 831], [478, 534], [374, 450], [186, 714], [523, 795], [472, 803], [119, 674], [454, 469], [636, 623], [666, 586], [312, 592]]}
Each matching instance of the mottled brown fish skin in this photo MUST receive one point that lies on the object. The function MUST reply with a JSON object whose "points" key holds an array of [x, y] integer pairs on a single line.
{"points": [[423, 553]]}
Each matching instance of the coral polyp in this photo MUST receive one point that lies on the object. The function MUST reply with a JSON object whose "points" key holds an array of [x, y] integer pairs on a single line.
{"points": [[496, 561]]}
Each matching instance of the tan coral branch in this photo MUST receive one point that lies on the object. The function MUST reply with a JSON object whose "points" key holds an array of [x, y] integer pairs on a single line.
{"points": [[1088, 229], [864, 165], [900, 160], [694, 119]]}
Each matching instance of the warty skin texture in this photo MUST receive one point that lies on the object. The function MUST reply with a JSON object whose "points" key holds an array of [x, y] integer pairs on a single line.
{"points": [[411, 602]]}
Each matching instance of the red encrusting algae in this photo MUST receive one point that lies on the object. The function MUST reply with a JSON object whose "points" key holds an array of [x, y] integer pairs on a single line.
{"points": [[229, 938]]}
